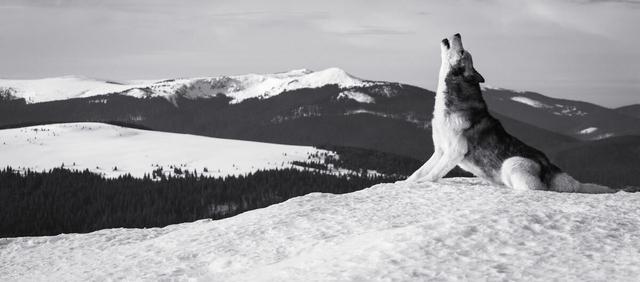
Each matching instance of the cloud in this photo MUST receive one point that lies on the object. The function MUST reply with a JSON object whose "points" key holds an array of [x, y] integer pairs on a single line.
{"points": [[633, 2], [370, 30], [584, 40]]}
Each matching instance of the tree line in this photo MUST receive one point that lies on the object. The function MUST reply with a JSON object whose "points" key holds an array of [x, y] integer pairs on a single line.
{"points": [[64, 201]]}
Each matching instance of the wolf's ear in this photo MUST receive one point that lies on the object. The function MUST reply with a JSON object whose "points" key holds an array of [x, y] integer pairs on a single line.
{"points": [[474, 76]]}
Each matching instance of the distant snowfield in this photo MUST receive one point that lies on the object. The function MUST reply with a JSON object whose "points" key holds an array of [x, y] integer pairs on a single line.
{"points": [[237, 87], [102, 147], [530, 102], [357, 96], [557, 109], [588, 130], [459, 229]]}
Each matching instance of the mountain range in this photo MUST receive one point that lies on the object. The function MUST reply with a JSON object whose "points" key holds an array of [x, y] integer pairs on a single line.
{"points": [[630, 110], [327, 107]]}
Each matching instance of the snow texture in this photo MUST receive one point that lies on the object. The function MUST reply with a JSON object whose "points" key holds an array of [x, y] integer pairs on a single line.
{"points": [[102, 147], [356, 96], [238, 88], [557, 109], [456, 230], [588, 130], [530, 102]]}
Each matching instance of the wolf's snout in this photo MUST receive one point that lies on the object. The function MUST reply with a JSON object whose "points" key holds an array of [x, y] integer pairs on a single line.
{"points": [[445, 42], [456, 42]]}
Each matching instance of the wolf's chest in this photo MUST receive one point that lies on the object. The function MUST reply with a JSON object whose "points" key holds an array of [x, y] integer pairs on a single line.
{"points": [[447, 120]]}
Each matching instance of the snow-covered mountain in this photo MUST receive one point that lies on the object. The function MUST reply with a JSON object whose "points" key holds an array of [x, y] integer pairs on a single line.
{"points": [[57, 88], [236, 87], [326, 107], [459, 229], [113, 151], [580, 120]]}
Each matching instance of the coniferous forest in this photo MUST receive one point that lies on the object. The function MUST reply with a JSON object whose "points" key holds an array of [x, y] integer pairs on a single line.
{"points": [[64, 201]]}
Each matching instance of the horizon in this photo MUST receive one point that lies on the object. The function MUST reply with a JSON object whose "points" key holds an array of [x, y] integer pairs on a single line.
{"points": [[570, 49], [134, 81]]}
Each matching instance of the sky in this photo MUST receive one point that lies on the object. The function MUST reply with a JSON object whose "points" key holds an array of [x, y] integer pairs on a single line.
{"points": [[574, 49]]}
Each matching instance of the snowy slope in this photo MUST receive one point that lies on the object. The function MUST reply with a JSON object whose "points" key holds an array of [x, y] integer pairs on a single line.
{"points": [[238, 87], [580, 120], [460, 229], [59, 88], [101, 147]]}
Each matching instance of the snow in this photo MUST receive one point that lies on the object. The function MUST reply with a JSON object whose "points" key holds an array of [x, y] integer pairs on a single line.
{"points": [[356, 96], [456, 230], [238, 87], [530, 102], [60, 88], [604, 136], [486, 86], [101, 147], [557, 109], [588, 130]]}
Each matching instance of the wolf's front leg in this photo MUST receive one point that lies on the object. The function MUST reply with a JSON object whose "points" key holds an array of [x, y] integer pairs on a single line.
{"points": [[426, 167], [450, 158]]}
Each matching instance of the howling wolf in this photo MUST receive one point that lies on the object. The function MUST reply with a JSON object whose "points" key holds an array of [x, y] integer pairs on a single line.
{"points": [[465, 134]]}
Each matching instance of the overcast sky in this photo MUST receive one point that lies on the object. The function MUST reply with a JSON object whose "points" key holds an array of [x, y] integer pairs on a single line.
{"points": [[575, 49]]}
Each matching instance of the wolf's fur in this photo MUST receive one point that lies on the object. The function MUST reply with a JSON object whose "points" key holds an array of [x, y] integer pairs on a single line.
{"points": [[465, 134]]}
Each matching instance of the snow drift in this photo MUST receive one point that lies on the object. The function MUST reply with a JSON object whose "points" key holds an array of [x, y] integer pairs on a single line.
{"points": [[459, 229]]}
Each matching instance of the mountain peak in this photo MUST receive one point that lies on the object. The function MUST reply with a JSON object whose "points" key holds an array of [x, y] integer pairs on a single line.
{"points": [[237, 87]]}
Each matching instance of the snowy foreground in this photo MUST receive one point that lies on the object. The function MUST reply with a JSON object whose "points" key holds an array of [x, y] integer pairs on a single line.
{"points": [[113, 151], [460, 229]]}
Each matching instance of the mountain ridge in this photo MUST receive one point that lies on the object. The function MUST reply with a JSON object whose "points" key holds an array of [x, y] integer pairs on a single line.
{"points": [[631, 110], [237, 87]]}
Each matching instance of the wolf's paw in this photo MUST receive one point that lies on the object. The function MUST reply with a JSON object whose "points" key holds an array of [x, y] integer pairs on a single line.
{"points": [[425, 181], [403, 182]]}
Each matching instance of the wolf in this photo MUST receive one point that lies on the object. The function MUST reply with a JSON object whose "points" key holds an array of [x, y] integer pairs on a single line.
{"points": [[466, 135]]}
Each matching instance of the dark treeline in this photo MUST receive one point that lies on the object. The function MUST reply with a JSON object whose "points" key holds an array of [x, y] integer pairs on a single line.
{"points": [[64, 201], [357, 159]]}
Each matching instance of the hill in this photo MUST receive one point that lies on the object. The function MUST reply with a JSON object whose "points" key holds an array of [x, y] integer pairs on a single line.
{"points": [[459, 229], [612, 161], [577, 119], [631, 110], [397, 122], [114, 151]]}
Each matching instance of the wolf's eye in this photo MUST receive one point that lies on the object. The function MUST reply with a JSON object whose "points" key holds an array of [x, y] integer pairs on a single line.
{"points": [[461, 52]]}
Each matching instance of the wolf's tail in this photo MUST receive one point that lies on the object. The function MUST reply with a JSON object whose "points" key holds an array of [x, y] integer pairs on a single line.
{"points": [[563, 182]]}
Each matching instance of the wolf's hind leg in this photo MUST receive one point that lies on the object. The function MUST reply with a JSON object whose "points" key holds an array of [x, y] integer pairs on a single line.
{"points": [[426, 167], [521, 174]]}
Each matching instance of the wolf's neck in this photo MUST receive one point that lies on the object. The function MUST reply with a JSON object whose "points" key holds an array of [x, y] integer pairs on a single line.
{"points": [[454, 95]]}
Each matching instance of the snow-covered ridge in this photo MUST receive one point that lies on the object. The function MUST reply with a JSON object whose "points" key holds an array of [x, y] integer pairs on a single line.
{"points": [[588, 130], [356, 96], [113, 151], [556, 109], [237, 87], [530, 102], [456, 230]]}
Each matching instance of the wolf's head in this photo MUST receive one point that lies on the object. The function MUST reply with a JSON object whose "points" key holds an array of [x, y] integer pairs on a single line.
{"points": [[457, 64]]}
